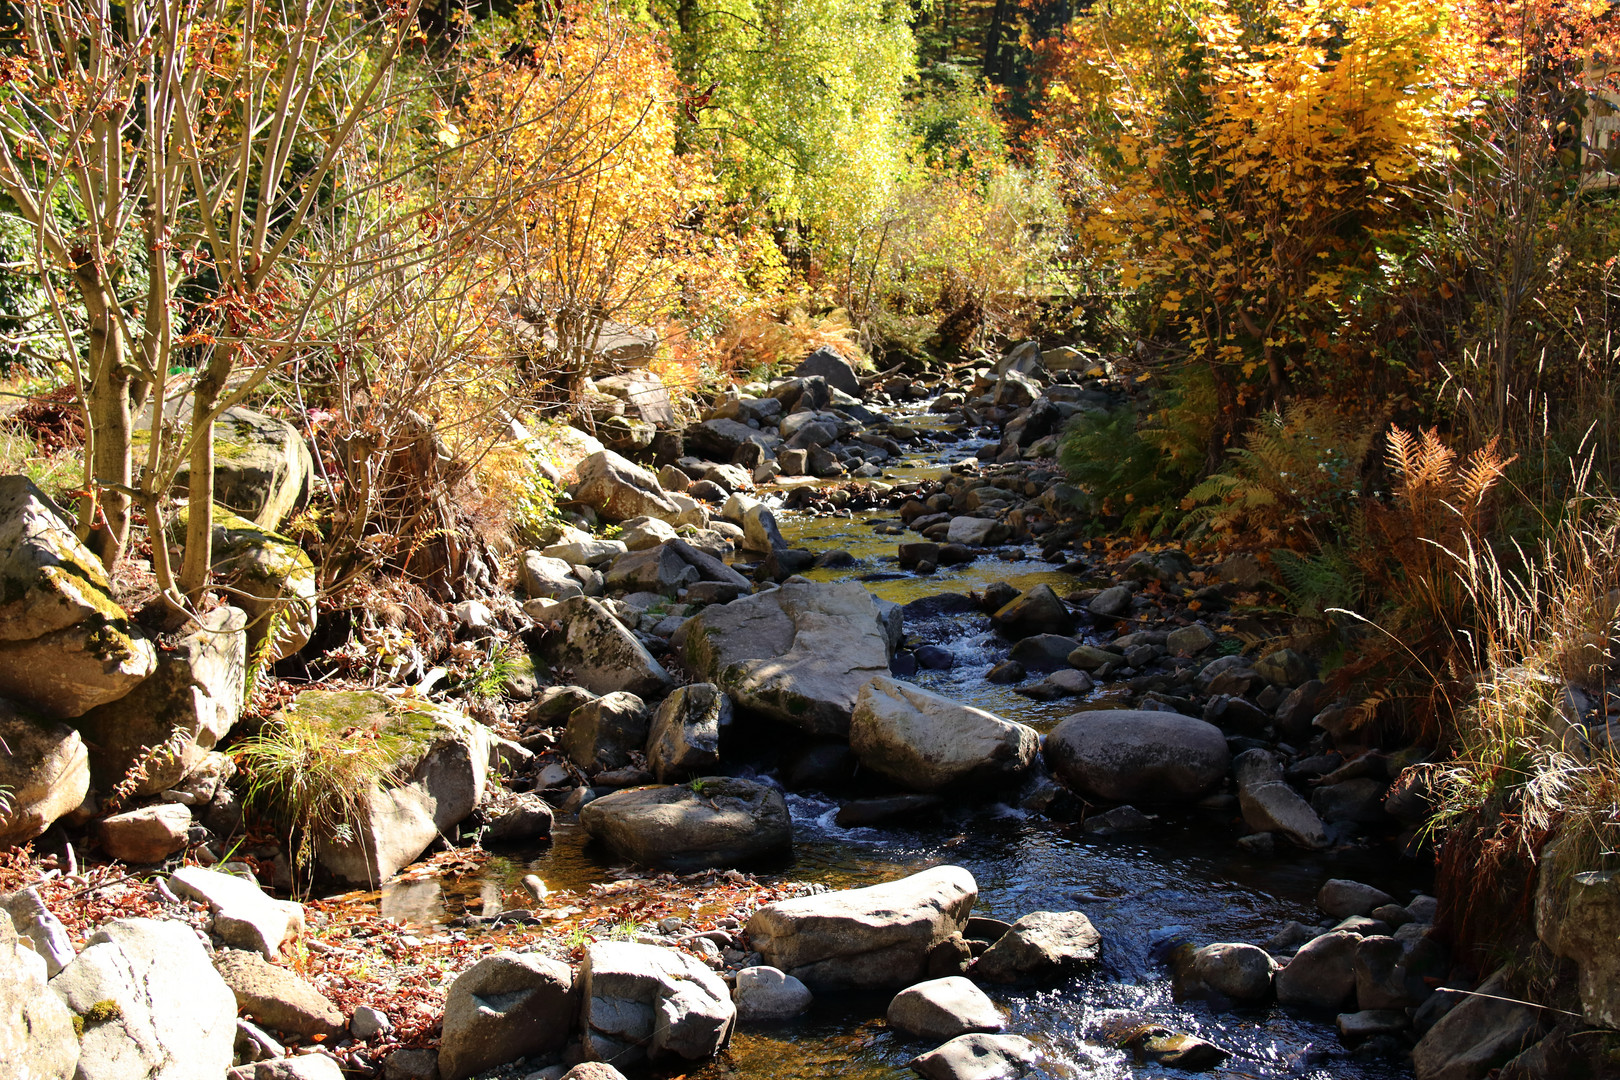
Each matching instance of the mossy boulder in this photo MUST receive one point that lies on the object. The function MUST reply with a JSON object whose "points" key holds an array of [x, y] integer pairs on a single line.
{"points": [[44, 773], [270, 577], [434, 780], [169, 723], [65, 645], [262, 467]]}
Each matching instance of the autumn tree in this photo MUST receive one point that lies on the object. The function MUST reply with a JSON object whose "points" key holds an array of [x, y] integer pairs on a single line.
{"points": [[225, 190], [1509, 203], [798, 102], [1251, 162], [170, 158]]}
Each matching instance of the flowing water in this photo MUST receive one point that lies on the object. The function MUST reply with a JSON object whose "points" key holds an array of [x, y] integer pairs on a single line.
{"points": [[1183, 881]]}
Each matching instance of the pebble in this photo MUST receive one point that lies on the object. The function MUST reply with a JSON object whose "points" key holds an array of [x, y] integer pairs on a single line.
{"points": [[367, 1023]]}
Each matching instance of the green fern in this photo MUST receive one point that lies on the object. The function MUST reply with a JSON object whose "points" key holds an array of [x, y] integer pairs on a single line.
{"points": [[1296, 473], [1314, 583], [1139, 466]]}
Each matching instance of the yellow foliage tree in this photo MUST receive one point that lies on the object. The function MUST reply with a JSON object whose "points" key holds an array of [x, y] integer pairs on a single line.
{"points": [[1250, 160], [626, 230]]}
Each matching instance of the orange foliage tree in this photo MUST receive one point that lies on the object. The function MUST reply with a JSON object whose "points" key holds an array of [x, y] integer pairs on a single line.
{"points": [[627, 229]]}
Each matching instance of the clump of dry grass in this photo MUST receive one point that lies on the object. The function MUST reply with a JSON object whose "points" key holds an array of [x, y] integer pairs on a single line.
{"points": [[1531, 757], [310, 769]]}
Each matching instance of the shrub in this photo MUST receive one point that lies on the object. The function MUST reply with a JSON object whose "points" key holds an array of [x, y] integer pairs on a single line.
{"points": [[1525, 763], [1297, 473], [1421, 654]]}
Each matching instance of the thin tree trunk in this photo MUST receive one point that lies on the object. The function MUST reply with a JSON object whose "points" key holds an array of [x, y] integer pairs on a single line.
{"points": [[992, 41], [104, 511], [200, 485]]}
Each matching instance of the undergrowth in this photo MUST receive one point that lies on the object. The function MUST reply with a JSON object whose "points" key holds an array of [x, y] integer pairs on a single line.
{"points": [[1297, 474], [1137, 467], [1533, 755], [311, 767]]}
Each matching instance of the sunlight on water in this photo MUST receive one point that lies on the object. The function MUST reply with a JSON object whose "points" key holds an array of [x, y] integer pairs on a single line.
{"points": [[1183, 881]]}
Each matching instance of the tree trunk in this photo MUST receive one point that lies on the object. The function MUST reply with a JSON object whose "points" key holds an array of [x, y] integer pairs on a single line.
{"points": [[992, 41], [200, 486], [104, 511]]}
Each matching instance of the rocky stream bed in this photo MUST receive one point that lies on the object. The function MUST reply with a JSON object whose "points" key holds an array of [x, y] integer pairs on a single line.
{"points": [[841, 754]]}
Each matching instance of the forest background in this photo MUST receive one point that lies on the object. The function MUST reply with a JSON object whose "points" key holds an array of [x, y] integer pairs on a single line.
{"points": [[1355, 258]]}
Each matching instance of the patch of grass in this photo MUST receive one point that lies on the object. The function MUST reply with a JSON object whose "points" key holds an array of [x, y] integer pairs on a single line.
{"points": [[53, 473], [309, 768], [489, 678]]}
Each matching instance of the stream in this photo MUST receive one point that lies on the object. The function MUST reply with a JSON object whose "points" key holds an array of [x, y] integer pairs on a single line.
{"points": [[1184, 880]]}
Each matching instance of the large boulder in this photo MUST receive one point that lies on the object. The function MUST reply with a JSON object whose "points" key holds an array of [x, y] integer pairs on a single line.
{"points": [[929, 742], [1480, 1033], [1342, 898], [1037, 611], [1578, 917], [168, 724], [147, 834], [879, 937], [601, 653], [45, 773], [65, 646], [799, 653], [1269, 804], [152, 1004], [619, 489], [646, 1002], [270, 577], [713, 822], [1132, 755], [685, 736], [34, 923], [1040, 945], [764, 994], [1322, 974], [436, 780], [719, 439], [36, 1028], [979, 1056], [658, 569], [277, 998], [504, 1007], [830, 365], [1236, 970], [603, 733], [262, 467], [976, 531], [547, 576]]}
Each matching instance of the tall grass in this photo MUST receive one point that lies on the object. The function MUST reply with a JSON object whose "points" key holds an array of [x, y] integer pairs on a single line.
{"points": [[1526, 761], [311, 767]]}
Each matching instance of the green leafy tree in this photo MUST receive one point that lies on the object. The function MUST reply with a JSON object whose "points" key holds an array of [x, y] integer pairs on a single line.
{"points": [[801, 102]]}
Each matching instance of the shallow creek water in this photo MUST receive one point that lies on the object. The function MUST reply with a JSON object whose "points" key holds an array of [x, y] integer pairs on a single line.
{"points": [[1185, 880]]}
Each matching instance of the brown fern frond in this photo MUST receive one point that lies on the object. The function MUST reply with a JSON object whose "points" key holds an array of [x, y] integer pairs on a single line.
{"points": [[1402, 454], [1482, 471], [1433, 464]]}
